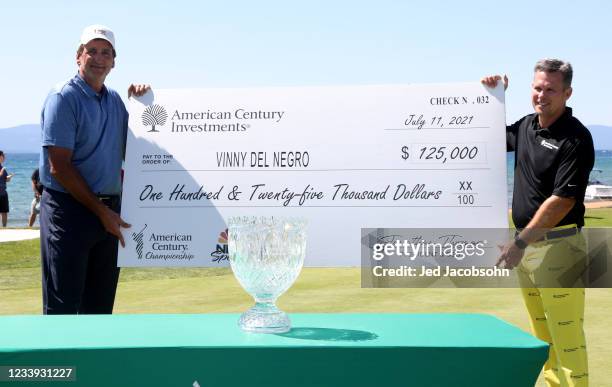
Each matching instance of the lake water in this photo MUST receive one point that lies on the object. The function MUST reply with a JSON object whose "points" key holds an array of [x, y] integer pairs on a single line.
{"points": [[23, 164]]}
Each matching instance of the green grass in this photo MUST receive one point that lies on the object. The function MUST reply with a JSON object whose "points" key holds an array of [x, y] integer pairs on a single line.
{"points": [[161, 290], [598, 217]]}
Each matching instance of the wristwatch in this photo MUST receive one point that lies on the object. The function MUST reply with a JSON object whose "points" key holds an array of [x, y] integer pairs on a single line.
{"points": [[521, 244]]}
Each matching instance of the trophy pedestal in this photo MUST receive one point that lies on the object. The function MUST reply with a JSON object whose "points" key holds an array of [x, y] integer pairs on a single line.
{"points": [[265, 317]]}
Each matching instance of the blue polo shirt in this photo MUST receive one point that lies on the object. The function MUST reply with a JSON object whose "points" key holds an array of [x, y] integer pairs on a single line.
{"points": [[92, 125]]}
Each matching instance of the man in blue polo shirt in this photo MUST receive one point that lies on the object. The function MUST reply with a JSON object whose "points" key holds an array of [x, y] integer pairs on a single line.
{"points": [[84, 129]]}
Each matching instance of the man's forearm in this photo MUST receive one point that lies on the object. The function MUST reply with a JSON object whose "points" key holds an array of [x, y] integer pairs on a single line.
{"points": [[550, 213], [70, 178], [60, 160]]}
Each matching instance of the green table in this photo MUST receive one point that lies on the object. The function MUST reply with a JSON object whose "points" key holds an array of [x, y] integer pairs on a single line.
{"points": [[321, 350]]}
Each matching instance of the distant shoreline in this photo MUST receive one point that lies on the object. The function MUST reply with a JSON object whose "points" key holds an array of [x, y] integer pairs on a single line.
{"points": [[598, 204]]}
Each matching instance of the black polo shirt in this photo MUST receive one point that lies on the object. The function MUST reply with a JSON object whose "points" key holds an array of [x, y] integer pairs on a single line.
{"points": [[549, 161]]}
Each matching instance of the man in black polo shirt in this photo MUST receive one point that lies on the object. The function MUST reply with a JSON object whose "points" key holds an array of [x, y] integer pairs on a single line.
{"points": [[554, 156]]}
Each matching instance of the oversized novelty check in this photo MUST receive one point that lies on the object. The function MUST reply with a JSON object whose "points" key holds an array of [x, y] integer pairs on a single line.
{"points": [[345, 158]]}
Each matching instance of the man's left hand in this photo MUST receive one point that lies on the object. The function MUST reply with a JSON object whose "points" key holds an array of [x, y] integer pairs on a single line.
{"points": [[510, 256], [138, 90]]}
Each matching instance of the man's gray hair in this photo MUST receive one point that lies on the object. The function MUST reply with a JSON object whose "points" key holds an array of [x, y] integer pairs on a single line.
{"points": [[553, 65]]}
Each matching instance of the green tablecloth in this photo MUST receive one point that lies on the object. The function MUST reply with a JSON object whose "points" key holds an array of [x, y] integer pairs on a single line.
{"points": [[321, 350]]}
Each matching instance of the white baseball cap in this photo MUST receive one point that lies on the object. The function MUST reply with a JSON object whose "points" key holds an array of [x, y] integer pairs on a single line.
{"points": [[98, 31]]}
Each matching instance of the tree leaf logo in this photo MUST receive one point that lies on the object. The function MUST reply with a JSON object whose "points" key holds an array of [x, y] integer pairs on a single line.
{"points": [[154, 115]]}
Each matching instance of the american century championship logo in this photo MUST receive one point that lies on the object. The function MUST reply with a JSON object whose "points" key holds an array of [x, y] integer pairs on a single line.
{"points": [[138, 238], [154, 115], [221, 253]]}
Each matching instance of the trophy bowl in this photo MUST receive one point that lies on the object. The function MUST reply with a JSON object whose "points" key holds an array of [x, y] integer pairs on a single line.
{"points": [[266, 255]]}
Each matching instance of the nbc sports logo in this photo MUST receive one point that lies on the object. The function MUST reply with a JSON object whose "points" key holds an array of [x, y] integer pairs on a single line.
{"points": [[221, 253]]}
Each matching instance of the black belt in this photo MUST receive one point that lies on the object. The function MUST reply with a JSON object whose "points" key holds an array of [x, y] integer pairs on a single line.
{"points": [[109, 200], [555, 234]]}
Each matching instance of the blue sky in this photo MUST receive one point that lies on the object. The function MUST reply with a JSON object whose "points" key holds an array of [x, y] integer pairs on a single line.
{"points": [[183, 44]]}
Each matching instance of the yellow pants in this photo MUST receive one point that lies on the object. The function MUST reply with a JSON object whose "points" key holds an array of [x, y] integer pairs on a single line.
{"points": [[557, 313]]}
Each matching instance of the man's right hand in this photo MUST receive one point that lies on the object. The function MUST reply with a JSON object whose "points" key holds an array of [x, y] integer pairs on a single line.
{"points": [[491, 81], [69, 177], [112, 222], [138, 90]]}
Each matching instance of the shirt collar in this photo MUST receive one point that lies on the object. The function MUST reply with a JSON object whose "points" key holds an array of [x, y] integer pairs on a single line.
{"points": [[555, 126], [88, 89], [561, 120]]}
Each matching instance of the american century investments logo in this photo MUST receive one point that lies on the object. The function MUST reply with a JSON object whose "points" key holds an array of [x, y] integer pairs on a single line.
{"points": [[221, 253], [154, 115]]}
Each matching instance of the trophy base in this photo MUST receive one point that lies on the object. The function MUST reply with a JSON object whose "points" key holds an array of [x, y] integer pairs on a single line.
{"points": [[264, 318]]}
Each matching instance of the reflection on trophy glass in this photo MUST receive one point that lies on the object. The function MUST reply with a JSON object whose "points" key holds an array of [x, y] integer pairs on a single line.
{"points": [[266, 255]]}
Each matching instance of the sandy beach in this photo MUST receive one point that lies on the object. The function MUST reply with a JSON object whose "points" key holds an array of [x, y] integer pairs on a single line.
{"points": [[18, 234], [598, 204]]}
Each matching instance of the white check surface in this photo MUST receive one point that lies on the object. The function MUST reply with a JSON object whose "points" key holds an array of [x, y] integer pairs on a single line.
{"points": [[346, 158]]}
